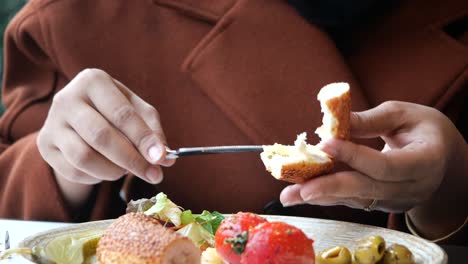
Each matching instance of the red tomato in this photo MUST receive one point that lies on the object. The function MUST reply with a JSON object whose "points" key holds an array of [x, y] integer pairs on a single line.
{"points": [[278, 243], [232, 234]]}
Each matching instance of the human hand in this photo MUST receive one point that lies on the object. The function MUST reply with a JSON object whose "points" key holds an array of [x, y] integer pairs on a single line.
{"points": [[421, 146], [98, 130]]}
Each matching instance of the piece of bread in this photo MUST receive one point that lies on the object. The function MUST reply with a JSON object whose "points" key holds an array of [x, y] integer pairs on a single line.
{"points": [[138, 238], [301, 162], [335, 101], [298, 163]]}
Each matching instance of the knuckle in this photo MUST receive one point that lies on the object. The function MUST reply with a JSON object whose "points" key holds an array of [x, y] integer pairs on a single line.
{"points": [[146, 139], [86, 78], [43, 144], [151, 112], [393, 107], [92, 74], [100, 136], [60, 100], [82, 156], [123, 115], [42, 139]]}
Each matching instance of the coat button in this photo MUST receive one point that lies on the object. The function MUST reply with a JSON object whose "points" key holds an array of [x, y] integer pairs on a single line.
{"points": [[275, 208]]}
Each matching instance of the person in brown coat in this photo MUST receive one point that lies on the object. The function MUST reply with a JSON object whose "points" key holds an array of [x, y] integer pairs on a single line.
{"points": [[95, 91]]}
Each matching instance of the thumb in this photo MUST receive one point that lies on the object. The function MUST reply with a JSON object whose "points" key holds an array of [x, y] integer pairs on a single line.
{"points": [[381, 120]]}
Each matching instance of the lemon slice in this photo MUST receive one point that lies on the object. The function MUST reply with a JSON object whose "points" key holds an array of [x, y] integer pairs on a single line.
{"points": [[73, 248]]}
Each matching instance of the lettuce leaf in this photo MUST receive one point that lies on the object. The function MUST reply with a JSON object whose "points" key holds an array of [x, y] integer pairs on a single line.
{"points": [[165, 210], [140, 205], [210, 221], [199, 235]]}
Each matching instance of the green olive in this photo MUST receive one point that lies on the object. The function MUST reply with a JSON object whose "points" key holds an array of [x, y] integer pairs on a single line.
{"points": [[334, 255], [398, 254], [370, 250]]}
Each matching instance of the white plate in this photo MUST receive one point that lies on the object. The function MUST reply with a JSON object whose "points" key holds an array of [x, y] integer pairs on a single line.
{"points": [[325, 233]]}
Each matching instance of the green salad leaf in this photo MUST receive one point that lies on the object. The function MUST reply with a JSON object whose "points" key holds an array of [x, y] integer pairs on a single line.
{"points": [[165, 210], [208, 220], [187, 217], [200, 228], [199, 235], [140, 205]]}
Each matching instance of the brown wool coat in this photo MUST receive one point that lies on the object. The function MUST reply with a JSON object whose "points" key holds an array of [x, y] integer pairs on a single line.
{"points": [[219, 72]]}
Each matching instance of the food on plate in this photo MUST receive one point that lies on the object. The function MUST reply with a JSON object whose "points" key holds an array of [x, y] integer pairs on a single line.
{"points": [[397, 254], [157, 230], [278, 243], [139, 238], [370, 250], [232, 235], [210, 256], [200, 228], [301, 162], [249, 238], [75, 248], [334, 255]]}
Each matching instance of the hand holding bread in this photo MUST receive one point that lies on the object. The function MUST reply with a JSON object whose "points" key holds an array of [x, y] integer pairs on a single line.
{"points": [[420, 169]]}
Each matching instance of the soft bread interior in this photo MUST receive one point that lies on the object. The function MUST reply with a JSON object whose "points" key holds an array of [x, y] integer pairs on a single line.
{"points": [[276, 156], [302, 161], [330, 121]]}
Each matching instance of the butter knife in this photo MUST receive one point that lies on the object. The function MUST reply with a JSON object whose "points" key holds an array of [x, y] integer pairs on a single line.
{"points": [[181, 152]]}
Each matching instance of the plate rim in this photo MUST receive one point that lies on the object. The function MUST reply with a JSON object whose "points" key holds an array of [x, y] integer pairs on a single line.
{"points": [[78, 226]]}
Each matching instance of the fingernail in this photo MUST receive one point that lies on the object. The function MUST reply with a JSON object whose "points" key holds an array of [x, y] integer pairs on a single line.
{"points": [[155, 153], [291, 203], [154, 175], [290, 196], [310, 198]]}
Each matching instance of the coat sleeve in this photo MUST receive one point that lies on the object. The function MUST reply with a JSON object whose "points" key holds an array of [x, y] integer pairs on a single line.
{"points": [[28, 189]]}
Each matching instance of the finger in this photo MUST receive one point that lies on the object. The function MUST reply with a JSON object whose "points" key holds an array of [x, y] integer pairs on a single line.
{"points": [[362, 158], [79, 154], [105, 139], [416, 160], [58, 162], [147, 112], [378, 121], [351, 202], [394, 206], [353, 184], [150, 115], [291, 195], [109, 100]]}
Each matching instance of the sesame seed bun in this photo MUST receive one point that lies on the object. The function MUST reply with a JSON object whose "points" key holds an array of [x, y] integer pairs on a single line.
{"points": [[137, 238]]}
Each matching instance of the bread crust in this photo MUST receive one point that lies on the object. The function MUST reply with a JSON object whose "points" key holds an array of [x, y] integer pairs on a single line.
{"points": [[303, 171], [137, 238], [340, 107]]}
